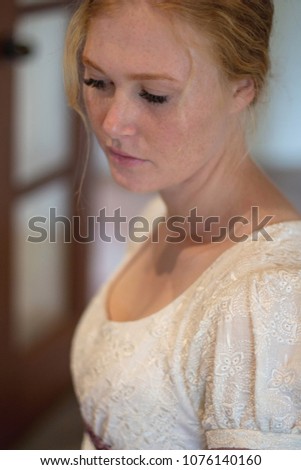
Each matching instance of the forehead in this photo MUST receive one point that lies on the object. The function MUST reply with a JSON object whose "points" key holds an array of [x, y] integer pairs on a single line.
{"points": [[144, 39]]}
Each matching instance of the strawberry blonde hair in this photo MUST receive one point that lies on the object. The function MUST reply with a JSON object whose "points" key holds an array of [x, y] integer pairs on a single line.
{"points": [[239, 31]]}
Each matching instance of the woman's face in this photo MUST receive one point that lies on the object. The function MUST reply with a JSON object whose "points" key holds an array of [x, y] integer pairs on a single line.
{"points": [[154, 99]]}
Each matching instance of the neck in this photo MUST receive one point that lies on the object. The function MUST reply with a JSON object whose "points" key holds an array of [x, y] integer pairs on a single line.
{"points": [[217, 193]]}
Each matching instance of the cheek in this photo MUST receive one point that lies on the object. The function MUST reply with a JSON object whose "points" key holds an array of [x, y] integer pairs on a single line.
{"points": [[94, 109], [193, 134]]}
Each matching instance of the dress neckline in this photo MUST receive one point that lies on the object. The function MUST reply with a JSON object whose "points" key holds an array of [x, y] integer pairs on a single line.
{"points": [[286, 225]]}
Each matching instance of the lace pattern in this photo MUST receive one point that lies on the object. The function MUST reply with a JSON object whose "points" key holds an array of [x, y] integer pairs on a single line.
{"points": [[219, 367]]}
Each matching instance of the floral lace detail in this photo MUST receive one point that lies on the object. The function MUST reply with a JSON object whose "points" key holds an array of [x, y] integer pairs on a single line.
{"points": [[230, 364], [219, 367]]}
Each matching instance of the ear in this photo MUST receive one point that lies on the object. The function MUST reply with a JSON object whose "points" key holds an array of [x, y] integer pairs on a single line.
{"points": [[243, 94]]}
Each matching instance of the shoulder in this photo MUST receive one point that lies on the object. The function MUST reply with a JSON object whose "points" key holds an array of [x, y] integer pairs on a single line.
{"points": [[266, 261], [249, 290], [257, 287], [253, 356], [249, 272]]}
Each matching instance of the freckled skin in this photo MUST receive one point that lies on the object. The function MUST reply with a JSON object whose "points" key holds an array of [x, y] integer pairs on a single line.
{"points": [[177, 138], [193, 145]]}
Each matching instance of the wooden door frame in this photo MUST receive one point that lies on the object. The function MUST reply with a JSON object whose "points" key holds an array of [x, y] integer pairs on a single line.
{"points": [[31, 380], [6, 364]]}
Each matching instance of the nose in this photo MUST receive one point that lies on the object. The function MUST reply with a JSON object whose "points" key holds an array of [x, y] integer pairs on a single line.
{"points": [[120, 118]]}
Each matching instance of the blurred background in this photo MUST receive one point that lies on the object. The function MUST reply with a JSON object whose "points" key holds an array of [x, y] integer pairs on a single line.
{"points": [[45, 286]]}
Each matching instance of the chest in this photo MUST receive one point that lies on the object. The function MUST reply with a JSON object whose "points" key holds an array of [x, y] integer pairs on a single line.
{"points": [[155, 278], [130, 386]]}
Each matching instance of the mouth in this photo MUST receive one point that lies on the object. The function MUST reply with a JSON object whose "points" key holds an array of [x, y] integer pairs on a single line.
{"points": [[123, 158]]}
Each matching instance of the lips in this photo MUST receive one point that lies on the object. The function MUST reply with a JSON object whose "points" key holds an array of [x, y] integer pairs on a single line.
{"points": [[121, 154], [123, 158]]}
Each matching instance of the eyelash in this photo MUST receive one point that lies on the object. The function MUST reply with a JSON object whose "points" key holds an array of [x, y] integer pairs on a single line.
{"points": [[154, 99], [101, 85], [91, 82]]}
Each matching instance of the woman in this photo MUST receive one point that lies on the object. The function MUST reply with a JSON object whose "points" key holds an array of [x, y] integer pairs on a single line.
{"points": [[193, 344]]}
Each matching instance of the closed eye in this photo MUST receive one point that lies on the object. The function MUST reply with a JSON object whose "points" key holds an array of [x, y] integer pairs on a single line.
{"points": [[99, 84], [154, 99], [103, 85]]}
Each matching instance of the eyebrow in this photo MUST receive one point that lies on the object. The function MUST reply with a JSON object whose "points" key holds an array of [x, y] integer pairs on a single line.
{"points": [[132, 76]]}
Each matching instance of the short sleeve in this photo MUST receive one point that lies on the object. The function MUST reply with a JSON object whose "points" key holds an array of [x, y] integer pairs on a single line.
{"points": [[253, 390]]}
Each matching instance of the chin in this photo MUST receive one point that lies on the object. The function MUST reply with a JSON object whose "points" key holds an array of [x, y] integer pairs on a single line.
{"points": [[135, 184]]}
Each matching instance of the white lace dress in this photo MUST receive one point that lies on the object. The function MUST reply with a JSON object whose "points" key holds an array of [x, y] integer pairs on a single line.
{"points": [[220, 367]]}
